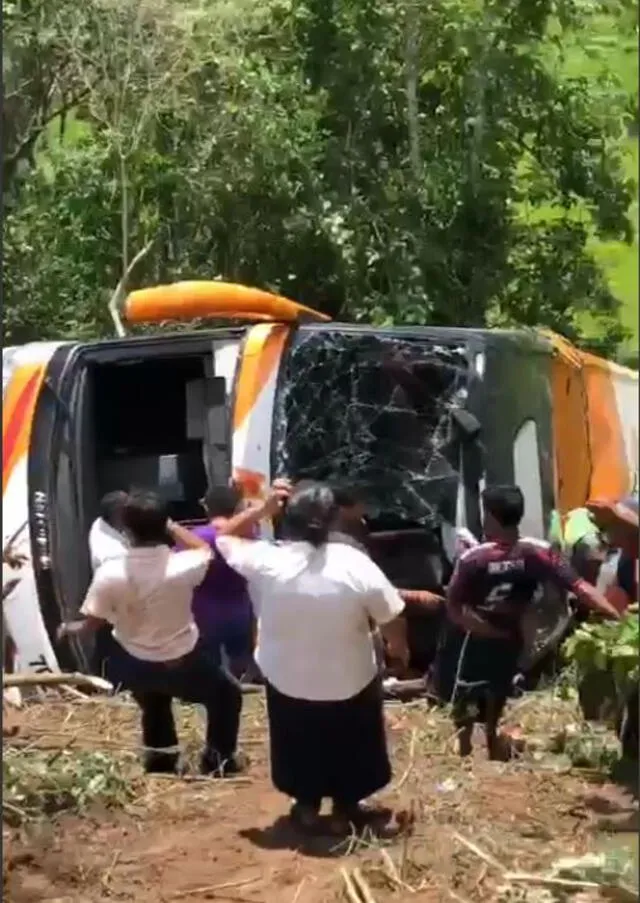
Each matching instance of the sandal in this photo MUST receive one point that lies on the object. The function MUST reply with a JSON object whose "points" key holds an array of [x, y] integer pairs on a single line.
{"points": [[305, 817], [345, 818]]}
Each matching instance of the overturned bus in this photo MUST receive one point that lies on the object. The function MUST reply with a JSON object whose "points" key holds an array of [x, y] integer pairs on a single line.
{"points": [[417, 418]]}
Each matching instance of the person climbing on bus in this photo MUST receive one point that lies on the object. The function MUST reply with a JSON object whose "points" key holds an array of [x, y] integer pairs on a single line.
{"points": [[491, 589], [221, 603]]}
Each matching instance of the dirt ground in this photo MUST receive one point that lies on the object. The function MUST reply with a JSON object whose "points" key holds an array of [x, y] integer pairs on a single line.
{"points": [[230, 841]]}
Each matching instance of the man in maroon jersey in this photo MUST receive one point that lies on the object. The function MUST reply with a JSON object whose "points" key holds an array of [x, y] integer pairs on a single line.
{"points": [[492, 586]]}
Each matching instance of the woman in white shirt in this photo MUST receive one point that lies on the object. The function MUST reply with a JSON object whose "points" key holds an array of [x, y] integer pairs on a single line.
{"points": [[314, 600]]}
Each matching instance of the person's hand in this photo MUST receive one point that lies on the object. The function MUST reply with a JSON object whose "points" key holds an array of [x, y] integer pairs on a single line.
{"points": [[277, 497], [398, 655], [62, 632]]}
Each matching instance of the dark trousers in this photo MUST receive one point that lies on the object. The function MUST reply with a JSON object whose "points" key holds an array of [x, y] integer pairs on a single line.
{"points": [[196, 678]]}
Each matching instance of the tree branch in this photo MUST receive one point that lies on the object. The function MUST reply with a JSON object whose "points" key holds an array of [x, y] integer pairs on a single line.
{"points": [[25, 146]]}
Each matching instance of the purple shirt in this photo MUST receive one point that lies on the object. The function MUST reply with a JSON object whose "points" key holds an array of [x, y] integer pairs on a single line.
{"points": [[222, 598]]}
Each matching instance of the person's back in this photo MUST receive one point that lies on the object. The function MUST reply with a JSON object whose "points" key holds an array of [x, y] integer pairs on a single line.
{"points": [[222, 597], [502, 578], [150, 592], [221, 604], [146, 596], [309, 603]]}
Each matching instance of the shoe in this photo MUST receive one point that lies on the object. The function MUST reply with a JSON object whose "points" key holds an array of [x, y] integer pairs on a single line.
{"points": [[161, 763], [212, 763], [346, 817]]}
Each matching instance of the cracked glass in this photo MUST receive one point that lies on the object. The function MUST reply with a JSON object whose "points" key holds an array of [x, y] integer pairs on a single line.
{"points": [[375, 412]]}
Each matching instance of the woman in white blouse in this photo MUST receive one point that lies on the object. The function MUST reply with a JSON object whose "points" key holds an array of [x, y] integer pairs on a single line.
{"points": [[314, 600]]}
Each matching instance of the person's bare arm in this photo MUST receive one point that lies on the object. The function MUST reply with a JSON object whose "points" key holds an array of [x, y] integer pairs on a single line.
{"points": [[394, 634], [555, 568], [237, 525], [80, 627], [97, 609], [277, 497], [421, 598], [472, 622], [593, 599]]}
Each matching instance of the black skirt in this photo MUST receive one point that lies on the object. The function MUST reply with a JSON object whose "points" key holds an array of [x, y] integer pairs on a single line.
{"points": [[470, 670], [328, 749]]}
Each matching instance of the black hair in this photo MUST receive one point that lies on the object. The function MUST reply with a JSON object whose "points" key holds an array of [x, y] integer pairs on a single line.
{"points": [[145, 517], [310, 513], [345, 496], [111, 507], [505, 504], [222, 501]]}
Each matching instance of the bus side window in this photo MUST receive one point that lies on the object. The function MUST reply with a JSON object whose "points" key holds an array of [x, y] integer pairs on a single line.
{"points": [[526, 471]]}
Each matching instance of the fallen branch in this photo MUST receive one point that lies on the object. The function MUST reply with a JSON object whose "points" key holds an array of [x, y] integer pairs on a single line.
{"points": [[349, 887], [362, 886], [28, 679], [198, 779], [299, 890], [456, 897], [391, 871], [485, 857], [613, 891], [117, 299], [214, 889]]}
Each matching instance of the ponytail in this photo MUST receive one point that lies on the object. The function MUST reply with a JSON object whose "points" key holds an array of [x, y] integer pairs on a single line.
{"points": [[315, 533]]}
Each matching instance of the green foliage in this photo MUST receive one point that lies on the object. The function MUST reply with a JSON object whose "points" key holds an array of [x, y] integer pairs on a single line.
{"points": [[587, 746], [385, 162], [610, 646], [37, 784]]}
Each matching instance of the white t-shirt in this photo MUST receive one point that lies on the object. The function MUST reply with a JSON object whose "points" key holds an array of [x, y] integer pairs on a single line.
{"points": [[313, 608], [146, 595], [105, 543]]}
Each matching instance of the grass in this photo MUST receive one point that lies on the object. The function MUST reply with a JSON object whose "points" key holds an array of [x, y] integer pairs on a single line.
{"points": [[38, 784]]}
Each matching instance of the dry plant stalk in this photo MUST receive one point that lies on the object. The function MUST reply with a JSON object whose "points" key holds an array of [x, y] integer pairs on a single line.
{"points": [[617, 892], [56, 680], [362, 886], [352, 893], [486, 857], [412, 755], [213, 889]]}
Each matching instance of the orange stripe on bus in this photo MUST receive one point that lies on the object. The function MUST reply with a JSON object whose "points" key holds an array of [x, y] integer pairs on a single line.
{"points": [[609, 465], [17, 416], [260, 356]]}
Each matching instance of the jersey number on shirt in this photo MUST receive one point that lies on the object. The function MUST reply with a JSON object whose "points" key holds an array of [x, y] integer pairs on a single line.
{"points": [[499, 593]]}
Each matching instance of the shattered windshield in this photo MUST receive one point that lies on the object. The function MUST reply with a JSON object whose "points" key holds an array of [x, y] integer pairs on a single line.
{"points": [[377, 412]]}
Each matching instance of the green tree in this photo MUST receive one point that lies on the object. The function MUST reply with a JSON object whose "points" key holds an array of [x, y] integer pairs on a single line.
{"points": [[386, 162]]}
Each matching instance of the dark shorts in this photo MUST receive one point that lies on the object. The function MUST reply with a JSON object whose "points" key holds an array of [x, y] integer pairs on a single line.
{"points": [[470, 672]]}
